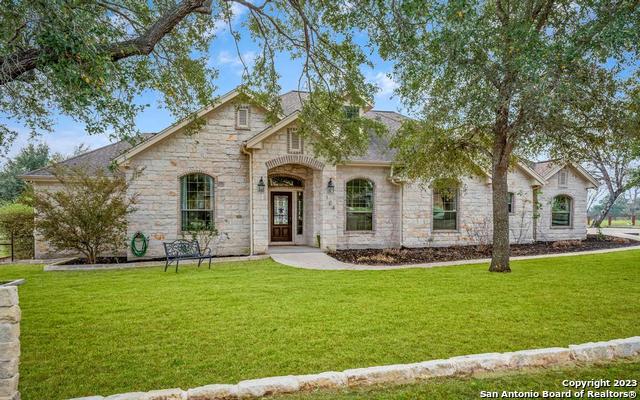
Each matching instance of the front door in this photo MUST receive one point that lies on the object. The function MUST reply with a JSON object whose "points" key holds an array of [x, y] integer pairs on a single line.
{"points": [[281, 217]]}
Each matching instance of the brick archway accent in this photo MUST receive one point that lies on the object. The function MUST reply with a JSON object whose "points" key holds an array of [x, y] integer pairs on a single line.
{"points": [[295, 159]]}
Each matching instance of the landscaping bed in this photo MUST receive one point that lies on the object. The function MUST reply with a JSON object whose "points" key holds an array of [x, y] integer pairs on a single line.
{"points": [[107, 260], [455, 253]]}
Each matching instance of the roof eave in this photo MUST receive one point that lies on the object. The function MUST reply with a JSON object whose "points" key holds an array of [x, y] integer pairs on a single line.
{"points": [[255, 141], [174, 127]]}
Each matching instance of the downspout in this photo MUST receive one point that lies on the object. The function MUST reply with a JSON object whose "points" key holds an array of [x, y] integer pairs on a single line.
{"points": [[535, 211], [397, 183], [245, 151]]}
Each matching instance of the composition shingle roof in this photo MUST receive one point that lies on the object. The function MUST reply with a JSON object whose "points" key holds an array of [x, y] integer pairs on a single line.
{"points": [[94, 160], [543, 167], [102, 157]]}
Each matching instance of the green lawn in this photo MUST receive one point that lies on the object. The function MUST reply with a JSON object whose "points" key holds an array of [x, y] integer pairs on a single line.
{"points": [[620, 223], [107, 332], [471, 388]]}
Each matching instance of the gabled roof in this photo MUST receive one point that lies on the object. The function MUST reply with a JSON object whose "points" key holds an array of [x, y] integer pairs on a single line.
{"points": [[255, 141], [379, 150], [532, 173], [176, 127], [549, 168], [292, 101], [94, 160]]}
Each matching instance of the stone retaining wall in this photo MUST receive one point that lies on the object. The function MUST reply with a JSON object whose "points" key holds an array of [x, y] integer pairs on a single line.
{"points": [[400, 373], [9, 343]]}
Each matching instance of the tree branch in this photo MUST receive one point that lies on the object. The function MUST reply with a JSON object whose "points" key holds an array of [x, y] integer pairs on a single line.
{"points": [[14, 65]]}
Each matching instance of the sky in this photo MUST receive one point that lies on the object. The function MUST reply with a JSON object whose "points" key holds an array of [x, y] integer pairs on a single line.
{"points": [[67, 133]]}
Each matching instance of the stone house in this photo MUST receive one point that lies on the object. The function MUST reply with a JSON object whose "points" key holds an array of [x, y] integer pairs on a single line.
{"points": [[261, 185]]}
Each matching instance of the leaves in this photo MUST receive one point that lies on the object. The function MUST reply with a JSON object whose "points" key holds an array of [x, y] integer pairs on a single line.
{"points": [[86, 214]]}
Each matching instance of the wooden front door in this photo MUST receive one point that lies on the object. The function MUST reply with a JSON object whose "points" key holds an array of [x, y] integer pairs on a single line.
{"points": [[281, 217]]}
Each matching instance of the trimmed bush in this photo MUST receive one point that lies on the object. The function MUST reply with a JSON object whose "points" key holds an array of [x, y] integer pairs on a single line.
{"points": [[17, 219]]}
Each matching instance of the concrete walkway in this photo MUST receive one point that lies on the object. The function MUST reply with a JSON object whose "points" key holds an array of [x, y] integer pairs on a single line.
{"points": [[312, 258]]}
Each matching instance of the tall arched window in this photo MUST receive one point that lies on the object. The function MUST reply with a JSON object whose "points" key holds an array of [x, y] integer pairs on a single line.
{"points": [[561, 211], [196, 202], [359, 204]]}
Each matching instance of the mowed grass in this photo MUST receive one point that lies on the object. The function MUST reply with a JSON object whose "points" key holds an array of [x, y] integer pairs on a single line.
{"points": [[105, 332], [620, 223], [536, 381]]}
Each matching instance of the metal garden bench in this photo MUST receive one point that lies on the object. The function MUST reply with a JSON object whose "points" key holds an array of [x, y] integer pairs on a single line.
{"points": [[182, 249]]}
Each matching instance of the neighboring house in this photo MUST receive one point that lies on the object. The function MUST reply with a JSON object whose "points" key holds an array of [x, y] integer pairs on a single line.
{"points": [[261, 185]]}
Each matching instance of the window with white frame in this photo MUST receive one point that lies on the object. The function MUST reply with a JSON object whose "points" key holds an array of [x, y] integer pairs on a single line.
{"points": [[294, 141], [242, 117]]}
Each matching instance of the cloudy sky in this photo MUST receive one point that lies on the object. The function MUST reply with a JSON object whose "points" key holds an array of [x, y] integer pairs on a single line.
{"points": [[223, 56]]}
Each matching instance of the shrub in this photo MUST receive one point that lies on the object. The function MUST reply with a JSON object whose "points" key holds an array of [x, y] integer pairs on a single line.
{"points": [[619, 240], [87, 215], [565, 244], [17, 219], [375, 259]]}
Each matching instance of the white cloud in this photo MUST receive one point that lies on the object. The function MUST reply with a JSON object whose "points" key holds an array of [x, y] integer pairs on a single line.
{"points": [[386, 85], [62, 141], [222, 25], [233, 61]]}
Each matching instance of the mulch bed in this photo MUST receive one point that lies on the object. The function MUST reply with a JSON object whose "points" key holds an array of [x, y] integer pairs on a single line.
{"points": [[455, 253], [107, 260]]}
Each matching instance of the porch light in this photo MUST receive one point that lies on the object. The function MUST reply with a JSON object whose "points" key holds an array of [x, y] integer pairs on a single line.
{"points": [[261, 185], [330, 186]]}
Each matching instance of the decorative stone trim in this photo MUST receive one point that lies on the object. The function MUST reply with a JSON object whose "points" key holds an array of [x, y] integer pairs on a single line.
{"points": [[399, 373], [9, 343], [295, 159]]}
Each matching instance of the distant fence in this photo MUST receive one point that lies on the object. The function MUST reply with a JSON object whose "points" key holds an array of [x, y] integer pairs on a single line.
{"points": [[7, 248], [620, 221]]}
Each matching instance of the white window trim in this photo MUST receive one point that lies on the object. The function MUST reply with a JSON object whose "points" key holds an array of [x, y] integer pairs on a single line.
{"points": [[238, 124], [290, 148]]}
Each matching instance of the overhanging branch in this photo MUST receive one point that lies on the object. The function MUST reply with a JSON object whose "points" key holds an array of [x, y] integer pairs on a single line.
{"points": [[14, 65]]}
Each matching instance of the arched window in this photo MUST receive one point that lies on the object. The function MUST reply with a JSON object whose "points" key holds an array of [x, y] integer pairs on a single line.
{"points": [[359, 204], [286, 181], [561, 211], [196, 202]]}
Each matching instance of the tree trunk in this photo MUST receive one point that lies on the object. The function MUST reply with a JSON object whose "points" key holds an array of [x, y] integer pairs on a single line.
{"points": [[597, 221], [500, 168]]}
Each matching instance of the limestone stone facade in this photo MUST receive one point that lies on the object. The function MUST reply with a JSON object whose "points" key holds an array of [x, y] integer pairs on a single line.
{"points": [[9, 342], [240, 158]]}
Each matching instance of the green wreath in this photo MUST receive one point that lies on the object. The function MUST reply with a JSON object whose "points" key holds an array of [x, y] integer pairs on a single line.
{"points": [[134, 244]]}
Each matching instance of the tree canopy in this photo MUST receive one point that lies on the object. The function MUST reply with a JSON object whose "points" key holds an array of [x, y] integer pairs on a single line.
{"points": [[494, 81], [91, 60], [30, 158]]}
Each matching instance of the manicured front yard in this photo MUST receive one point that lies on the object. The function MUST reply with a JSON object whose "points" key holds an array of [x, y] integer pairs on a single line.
{"points": [[116, 331]]}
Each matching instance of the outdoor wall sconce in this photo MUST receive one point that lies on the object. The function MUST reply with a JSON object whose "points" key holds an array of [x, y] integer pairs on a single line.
{"points": [[330, 186], [261, 185]]}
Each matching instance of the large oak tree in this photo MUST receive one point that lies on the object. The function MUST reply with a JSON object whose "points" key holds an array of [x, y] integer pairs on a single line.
{"points": [[92, 59], [493, 81]]}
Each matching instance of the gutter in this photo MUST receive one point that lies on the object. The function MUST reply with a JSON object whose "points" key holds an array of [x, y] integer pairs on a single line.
{"points": [[245, 151]]}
